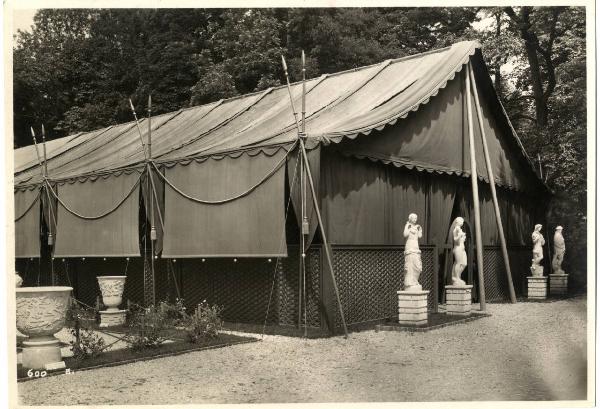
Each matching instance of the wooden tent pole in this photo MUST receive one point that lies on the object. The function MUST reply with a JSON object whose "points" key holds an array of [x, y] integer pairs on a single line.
{"points": [[309, 177], [320, 221], [475, 189], [511, 288], [152, 227]]}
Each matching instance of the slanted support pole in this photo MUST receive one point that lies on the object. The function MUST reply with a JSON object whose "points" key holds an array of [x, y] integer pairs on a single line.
{"points": [[511, 288], [475, 189], [148, 190], [323, 236]]}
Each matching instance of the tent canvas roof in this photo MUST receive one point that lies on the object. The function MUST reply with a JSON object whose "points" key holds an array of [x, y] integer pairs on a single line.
{"points": [[339, 105]]}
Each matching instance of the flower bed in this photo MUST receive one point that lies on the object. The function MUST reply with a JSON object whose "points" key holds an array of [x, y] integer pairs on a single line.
{"points": [[151, 332]]}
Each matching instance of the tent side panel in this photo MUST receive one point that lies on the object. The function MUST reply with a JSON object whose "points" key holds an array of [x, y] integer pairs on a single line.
{"points": [[114, 235], [249, 226], [27, 225]]}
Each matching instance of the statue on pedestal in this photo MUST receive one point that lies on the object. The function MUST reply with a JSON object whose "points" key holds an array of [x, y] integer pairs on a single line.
{"points": [[412, 254], [459, 252], [559, 251], [537, 270]]}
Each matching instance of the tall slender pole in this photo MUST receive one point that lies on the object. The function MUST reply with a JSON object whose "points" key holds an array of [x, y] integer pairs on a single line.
{"points": [[315, 201], [37, 152], [153, 236], [305, 227], [323, 236], [486, 153], [285, 70], [45, 157], [138, 127], [150, 127], [475, 189]]}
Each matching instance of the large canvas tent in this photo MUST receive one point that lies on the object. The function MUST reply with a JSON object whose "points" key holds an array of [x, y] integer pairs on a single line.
{"points": [[384, 141]]}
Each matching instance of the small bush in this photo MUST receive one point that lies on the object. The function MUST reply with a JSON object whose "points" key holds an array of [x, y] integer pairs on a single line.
{"points": [[147, 328], [89, 344], [204, 324], [175, 314], [149, 325]]}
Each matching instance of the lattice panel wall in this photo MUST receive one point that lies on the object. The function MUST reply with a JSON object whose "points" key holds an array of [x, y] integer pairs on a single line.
{"points": [[134, 283], [520, 261], [496, 284], [243, 288], [494, 275], [288, 286], [368, 279]]}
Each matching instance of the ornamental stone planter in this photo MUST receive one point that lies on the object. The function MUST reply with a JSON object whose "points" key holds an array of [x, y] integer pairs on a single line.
{"points": [[112, 293], [41, 313]]}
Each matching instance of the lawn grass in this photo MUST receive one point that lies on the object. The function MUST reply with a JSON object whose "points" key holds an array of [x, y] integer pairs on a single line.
{"points": [[127, 355]]}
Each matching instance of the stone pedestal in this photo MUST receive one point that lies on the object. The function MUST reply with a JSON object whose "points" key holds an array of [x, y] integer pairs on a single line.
{"points": [[458, 300], [412, 307], [112, 318], [537, 287], [559, 284], [41, 353]]}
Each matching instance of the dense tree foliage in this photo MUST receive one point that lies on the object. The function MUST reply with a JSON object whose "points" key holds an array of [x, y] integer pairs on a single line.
{"points": [[77, 69]]}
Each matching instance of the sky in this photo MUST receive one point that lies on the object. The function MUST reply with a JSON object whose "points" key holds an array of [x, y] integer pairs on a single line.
{"points": [[23, 19]]}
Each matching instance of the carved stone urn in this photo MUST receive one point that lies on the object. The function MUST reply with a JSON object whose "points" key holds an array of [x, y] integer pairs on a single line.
{"points": [[112, 296], [41, 313]]}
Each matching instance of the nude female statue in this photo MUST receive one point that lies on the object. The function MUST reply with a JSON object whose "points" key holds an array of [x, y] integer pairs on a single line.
{"points": [[537, 270], [559, 251], [412, 254], [459, 252]]}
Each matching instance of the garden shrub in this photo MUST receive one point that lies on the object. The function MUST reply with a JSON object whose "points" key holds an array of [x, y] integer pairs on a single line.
{"points": [[204, 324], [87, 345], [149, 325]]}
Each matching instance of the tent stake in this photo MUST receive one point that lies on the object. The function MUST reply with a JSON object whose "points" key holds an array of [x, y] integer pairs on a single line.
{"points": [[475, 189], [511, 288]]}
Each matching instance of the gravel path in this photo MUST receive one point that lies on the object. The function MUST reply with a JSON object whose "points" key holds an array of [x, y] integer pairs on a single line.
{"points": [[527, 351]]}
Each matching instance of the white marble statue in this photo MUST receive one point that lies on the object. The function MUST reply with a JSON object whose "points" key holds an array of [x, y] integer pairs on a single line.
{"points": [[559, 251], [412, 254], [537, 270], [459, 252], [18, 280]]}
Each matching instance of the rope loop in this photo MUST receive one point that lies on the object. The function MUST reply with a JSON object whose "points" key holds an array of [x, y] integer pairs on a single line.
{"points": [[37, 197], [229, 199], [100, 216]]}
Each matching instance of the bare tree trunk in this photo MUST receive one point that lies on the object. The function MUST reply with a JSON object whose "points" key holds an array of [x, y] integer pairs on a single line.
{"points": [[533, 50]]}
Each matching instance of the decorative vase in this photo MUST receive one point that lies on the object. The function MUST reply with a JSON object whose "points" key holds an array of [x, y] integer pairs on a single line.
{"points": [[41, 313], [112, 295]]}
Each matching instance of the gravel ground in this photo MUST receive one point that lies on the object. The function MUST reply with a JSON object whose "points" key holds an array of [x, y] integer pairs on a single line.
{"points": [[526, 351]]}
